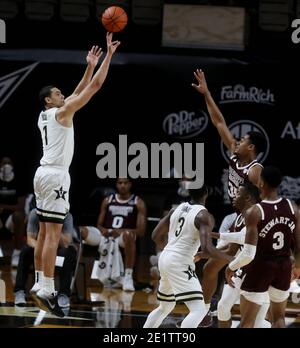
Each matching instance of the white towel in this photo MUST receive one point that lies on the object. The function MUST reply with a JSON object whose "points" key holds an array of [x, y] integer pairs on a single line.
{"points": [[111, 267]]}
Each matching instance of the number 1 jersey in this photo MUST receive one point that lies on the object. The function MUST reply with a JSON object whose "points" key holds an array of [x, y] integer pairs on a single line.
{"points": [[58, 140]]}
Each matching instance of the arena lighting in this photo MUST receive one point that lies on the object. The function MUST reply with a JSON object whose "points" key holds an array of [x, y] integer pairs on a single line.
{"points": [[199, 26]]}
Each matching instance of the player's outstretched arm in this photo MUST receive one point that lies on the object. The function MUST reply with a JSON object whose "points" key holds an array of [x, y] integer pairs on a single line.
{"points": [[204, 225], [252, 218], [92, 60], [215, 114], [66, 113]]}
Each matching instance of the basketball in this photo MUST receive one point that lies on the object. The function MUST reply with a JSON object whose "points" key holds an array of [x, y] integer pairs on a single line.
{"points": [[114, 19]]}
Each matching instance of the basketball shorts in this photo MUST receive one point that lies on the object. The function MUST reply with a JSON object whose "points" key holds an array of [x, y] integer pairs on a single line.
{"points": [[51, 188], [178, 280]]}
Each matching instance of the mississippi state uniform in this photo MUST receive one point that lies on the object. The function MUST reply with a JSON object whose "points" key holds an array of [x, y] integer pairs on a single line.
{"points": [[179, 281], [121, 214], [271, 266], [52, 179], [238, 175]]}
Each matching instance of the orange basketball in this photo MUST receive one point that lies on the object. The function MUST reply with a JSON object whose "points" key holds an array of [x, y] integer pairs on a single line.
{"points": [[114, 19]]}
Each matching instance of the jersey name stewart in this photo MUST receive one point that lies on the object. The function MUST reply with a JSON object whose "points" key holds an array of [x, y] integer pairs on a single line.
{"points": [[275, 231]]}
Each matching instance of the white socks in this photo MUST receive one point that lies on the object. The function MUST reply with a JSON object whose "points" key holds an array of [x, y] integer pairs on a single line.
{"points": [[39, 275], [48, 285], [128, 272]]}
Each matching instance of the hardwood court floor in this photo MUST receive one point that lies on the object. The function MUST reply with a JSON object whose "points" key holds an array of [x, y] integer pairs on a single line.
{"points": [[104, 308]]}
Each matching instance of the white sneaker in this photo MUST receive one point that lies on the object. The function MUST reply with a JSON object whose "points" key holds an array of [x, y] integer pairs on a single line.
{"points": [[15, 258], [128, 283], [20, 298]]}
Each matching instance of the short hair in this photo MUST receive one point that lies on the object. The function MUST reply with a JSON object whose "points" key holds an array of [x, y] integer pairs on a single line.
{"points": [[252, 191], [45, 92], [258, 140], [196, 194], [271, 176]]}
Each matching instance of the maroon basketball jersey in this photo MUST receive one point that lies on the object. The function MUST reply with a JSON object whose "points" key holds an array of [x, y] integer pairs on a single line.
{"points": [[121, 214], [275, 231], [238, 224], [238, 175]]}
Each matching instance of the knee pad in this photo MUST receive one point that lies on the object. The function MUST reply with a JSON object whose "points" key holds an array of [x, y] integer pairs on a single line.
{"points": [[224, 312], [93, 237]]}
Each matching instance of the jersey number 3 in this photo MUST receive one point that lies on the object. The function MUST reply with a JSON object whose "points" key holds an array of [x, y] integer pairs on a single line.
{"points": [[180, 225], [279, 236]]}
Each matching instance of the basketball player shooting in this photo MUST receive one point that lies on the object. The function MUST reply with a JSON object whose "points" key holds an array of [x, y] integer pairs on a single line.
{"points": [[52, 179]]}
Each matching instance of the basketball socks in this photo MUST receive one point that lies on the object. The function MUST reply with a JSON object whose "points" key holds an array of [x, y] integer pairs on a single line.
{"points": [[128, 272], [48, 285], [39, 275]]}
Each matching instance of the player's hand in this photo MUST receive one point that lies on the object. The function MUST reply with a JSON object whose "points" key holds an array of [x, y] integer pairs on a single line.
{"points": [[197, 257], [116, 233], [295, 273], [111, 45], [201, 87], [105, 233], [228, 275], [215, 235], [93, 56]]}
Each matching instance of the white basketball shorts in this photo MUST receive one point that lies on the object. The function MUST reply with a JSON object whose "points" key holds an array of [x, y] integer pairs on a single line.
{"points": [[178, 280], [51, 188]]}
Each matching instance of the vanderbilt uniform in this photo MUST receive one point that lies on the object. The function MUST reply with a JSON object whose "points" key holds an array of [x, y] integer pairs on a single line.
{"points": [[238, 175], [179, 281], [52, 179]]}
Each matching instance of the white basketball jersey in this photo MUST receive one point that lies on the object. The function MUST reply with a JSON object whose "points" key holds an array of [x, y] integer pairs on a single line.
{"points": [[58, 140], [184, 237]]}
